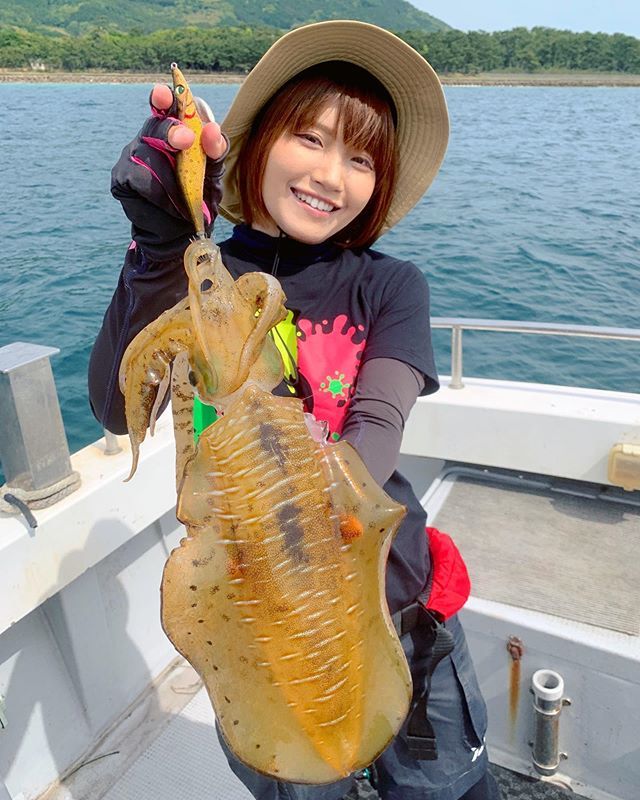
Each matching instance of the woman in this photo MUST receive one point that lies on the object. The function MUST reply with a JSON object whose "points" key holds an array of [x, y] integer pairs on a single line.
{"points": [[332, 138]]}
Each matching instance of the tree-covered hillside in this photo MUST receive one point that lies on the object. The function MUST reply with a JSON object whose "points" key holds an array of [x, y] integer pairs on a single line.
{"points": [[145, 16], [237, 49]]}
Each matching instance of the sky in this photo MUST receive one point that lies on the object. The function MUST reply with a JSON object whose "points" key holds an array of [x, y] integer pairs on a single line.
{"points": [[608, 16]]}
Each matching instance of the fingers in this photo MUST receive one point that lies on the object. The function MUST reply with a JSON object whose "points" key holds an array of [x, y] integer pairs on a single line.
{"points": [[161, 100], [213, 142], [179, 136], [161, 97]]}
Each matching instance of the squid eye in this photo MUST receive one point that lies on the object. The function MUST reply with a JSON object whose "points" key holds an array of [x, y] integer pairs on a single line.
{"points": [[205, 285], [192, 378]]}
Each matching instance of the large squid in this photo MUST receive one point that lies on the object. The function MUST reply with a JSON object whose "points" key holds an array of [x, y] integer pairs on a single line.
{"points": [[276, 595]]}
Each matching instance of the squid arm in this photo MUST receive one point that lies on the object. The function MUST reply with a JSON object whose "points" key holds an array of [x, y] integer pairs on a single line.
{"points": [[145, 371]]}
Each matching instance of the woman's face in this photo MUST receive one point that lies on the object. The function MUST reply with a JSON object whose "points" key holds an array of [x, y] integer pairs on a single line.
{"points": [[314, 184]]}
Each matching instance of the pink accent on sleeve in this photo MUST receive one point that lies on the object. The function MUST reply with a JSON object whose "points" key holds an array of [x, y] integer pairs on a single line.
{"points": [[206, 212], [159, 113], [141, 163], [133, 245], [161, 146]]}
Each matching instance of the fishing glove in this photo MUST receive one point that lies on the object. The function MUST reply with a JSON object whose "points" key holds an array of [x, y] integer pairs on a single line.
{"points": [[145, 183]]}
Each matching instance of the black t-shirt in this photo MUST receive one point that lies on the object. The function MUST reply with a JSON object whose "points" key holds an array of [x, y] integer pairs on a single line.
{"points": [[347, 307]]}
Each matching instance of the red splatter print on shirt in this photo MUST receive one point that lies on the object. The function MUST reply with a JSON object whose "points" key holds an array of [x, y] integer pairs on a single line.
{"points": [[328, 356]]}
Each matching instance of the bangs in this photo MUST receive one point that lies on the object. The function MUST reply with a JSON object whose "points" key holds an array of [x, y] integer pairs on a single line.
{"points": [[365, 111], [362, 125]]}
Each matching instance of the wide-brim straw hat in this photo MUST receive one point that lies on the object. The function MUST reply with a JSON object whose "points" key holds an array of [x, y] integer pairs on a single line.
{"points": [[422, 120]]}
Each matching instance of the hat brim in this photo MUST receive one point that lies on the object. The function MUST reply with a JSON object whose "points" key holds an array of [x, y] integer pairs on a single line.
{"points": [[423, 121]]}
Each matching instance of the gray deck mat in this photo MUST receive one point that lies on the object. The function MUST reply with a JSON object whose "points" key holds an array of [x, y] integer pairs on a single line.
{"points": [[571, 556], [186, 761]]}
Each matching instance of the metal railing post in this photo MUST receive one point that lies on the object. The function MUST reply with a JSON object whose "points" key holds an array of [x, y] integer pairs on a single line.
{"points": [[112, 446], [456, 358], [460, 324]]}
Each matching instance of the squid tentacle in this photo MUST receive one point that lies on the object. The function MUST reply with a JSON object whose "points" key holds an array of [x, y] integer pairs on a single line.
{"points": [[145, 371]]}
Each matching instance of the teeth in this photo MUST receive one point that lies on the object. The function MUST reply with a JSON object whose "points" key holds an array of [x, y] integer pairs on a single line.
{"points": [[314, 202]]}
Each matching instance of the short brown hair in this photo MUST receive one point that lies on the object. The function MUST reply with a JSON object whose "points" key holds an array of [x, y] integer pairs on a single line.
{"points": [[367, 114]]}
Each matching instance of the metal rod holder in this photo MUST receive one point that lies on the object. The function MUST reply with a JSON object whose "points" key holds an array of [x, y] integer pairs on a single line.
{"points": [[33, 445], [547, 687]]}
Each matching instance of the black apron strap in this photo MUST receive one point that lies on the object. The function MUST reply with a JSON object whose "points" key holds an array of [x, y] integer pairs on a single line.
{"points": [[421, 737]]}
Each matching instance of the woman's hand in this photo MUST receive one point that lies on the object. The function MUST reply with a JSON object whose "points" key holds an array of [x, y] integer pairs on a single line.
{"points": [[179, 136], [145, 182]]}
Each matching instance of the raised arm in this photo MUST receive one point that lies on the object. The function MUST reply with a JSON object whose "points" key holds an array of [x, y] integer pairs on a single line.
{"points": [[152, 278]]}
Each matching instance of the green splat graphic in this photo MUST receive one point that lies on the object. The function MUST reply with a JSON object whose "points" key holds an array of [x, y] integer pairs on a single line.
{"points": [[335, 386]]}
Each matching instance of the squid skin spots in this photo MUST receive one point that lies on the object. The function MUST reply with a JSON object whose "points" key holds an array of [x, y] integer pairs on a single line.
{"points": [[350, 527], [235, 568], [270, 441], [289, 521]]}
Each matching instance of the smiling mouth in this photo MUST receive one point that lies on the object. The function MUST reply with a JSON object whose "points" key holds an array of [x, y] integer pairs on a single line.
{"points": [[314, 202]]}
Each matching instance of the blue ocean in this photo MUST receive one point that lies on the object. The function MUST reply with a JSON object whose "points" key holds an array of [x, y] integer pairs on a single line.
{"points": [[535, 216]]}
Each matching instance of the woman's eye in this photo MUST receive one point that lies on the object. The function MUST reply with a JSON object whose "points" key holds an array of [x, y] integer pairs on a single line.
{"points": [[309, 137], [365, 161]]}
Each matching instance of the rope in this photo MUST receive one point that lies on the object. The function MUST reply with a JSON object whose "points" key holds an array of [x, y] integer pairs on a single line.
{"points": [[14, 500]]}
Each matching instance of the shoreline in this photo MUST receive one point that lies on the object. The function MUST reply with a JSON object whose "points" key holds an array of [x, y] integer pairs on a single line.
{"points": [[571, 79], [575, 79]]}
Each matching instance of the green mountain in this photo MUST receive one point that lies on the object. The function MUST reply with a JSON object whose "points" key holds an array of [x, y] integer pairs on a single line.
{"points": [[145, 16]]}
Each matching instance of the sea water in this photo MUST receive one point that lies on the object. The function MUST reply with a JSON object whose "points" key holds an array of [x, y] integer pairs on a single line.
{"points": [[534, 216]]}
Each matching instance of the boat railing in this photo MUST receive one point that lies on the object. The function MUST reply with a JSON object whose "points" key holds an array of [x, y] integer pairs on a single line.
{"points": [[460, 324]]}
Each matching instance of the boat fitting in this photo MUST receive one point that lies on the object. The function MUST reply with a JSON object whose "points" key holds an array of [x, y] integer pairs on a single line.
{"points": [[624, 466], [33, 446], [111, 444], [547, 687]]}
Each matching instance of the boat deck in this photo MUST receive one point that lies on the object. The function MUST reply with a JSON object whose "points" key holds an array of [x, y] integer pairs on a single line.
{"points": [[511, 785], [549, 545], [585, 539], [186, 761]]}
